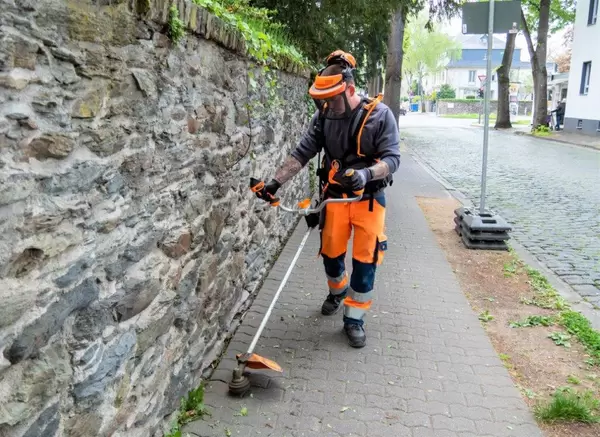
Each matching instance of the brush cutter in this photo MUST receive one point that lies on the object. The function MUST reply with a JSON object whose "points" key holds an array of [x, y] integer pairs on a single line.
{"points": [[240, 384]]}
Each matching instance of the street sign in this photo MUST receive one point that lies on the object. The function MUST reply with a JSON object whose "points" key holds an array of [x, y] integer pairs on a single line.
{"points": [[507, 17], [482, 78]]}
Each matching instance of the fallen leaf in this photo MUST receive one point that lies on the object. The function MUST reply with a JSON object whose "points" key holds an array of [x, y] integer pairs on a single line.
{"points": [[344, 409]]}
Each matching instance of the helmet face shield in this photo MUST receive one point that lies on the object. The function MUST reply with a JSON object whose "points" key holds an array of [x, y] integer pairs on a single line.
{"points": [[329, 94]]}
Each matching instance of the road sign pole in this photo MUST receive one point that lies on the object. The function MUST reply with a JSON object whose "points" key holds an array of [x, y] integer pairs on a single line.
{"points": [[486, 127], [486, 230]]}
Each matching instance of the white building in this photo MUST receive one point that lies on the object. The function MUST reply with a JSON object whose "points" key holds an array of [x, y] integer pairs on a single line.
{"points": [[583, 97], [466, 74]]}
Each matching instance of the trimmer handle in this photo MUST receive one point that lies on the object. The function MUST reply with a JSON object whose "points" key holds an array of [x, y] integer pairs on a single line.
{"points": [[258, 187], [349, 173]]}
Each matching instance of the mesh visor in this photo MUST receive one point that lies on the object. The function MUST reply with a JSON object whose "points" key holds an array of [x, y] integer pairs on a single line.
{"points": [[326, 87], [329, 96]]}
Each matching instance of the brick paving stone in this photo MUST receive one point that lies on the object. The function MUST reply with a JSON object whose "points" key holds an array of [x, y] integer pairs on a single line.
{"points": [[428, 368]]}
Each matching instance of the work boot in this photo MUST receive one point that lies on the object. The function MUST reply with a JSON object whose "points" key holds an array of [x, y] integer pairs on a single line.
{"points": [[332, 304], [356, 335]]}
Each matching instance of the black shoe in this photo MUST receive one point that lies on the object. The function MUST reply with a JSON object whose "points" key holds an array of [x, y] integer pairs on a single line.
{"points": [[356, 335], [331, 304]]}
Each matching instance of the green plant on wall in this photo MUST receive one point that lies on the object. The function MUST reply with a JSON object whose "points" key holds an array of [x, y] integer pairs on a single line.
{"points": [[175, 25], [265, 39], [268, 49]]}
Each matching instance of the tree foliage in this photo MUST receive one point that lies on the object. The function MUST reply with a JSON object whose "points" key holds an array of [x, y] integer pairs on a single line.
{"points": [[446, 92], [427, 51], [361, 27]]}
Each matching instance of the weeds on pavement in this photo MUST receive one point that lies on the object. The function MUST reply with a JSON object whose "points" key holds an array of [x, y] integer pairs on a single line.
{"points": [[191, 408]]}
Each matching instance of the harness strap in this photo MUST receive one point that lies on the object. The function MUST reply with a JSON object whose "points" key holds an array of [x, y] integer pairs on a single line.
{"points": [[369, 107]]}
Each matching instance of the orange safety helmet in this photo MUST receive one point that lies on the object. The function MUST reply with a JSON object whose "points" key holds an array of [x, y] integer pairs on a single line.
{"points": [[340, 56]]}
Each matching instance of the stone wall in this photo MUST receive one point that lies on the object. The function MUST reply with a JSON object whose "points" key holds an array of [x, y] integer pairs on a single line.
{"points": [[475, 107], [129, 241]]}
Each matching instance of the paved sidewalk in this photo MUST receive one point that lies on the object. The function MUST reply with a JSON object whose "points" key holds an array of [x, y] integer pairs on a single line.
{"points": [[428, 369]]}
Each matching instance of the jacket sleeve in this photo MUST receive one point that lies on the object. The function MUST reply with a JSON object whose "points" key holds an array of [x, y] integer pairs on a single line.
{"points": [[387, 141], [309, 145]]}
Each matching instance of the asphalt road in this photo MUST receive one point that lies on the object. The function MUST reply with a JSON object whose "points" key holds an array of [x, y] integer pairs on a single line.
{"points": [[548, 191]]}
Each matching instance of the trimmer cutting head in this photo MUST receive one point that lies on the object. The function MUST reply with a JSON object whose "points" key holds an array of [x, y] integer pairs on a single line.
{"points": [[240, 383]]}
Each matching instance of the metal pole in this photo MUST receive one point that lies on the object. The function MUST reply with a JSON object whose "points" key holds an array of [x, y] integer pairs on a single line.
{"points": [[281, 285], [488, 91]]}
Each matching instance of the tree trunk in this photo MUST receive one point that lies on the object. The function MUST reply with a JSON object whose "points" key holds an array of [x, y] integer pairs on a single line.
{"points": [[393, 70], [503, 117], [379, 83], [372, 86], [541, 89], [538, 63]]}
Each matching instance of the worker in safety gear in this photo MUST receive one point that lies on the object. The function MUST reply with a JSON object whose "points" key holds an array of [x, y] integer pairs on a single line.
{"points": [[360, 140]]}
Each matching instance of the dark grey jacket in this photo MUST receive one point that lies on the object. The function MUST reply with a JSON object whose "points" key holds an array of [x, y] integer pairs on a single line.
{"points": [[380, 139]]}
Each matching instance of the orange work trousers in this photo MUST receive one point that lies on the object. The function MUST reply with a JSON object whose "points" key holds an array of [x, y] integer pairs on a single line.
{"points": [[368, 246]]}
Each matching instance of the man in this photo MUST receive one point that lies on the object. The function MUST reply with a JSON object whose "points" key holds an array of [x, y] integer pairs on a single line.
{"points": [[361, 143], [560, 113]]}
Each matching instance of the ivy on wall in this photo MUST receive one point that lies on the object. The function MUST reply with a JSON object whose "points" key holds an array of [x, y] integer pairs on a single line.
{"points": [[267, 48]]}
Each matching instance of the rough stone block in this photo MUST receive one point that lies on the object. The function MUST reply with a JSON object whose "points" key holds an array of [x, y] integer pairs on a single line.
{"points": [[39, 332]]}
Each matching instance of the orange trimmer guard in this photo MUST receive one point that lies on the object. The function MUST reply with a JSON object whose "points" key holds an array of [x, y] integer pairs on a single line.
{"points": [[254, 361]]}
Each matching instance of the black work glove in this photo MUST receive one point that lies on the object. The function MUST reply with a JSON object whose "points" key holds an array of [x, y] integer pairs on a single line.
{"points": [[351, 179], [268, 190]]}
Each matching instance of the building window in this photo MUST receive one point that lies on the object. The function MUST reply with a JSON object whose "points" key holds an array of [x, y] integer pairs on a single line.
{"points": [[593, 15], [563, 93], [472, 74], [585, 78]]}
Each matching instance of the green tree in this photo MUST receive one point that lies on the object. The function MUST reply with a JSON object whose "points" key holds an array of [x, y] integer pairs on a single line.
{"points": [[428, 51], [542, 16], [397, 45], [446, 92], [372, 30]]}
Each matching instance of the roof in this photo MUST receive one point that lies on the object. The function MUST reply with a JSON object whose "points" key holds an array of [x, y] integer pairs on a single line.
{"points": [[483, 64], [479, 42], [558, 78], [477, 58]]}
